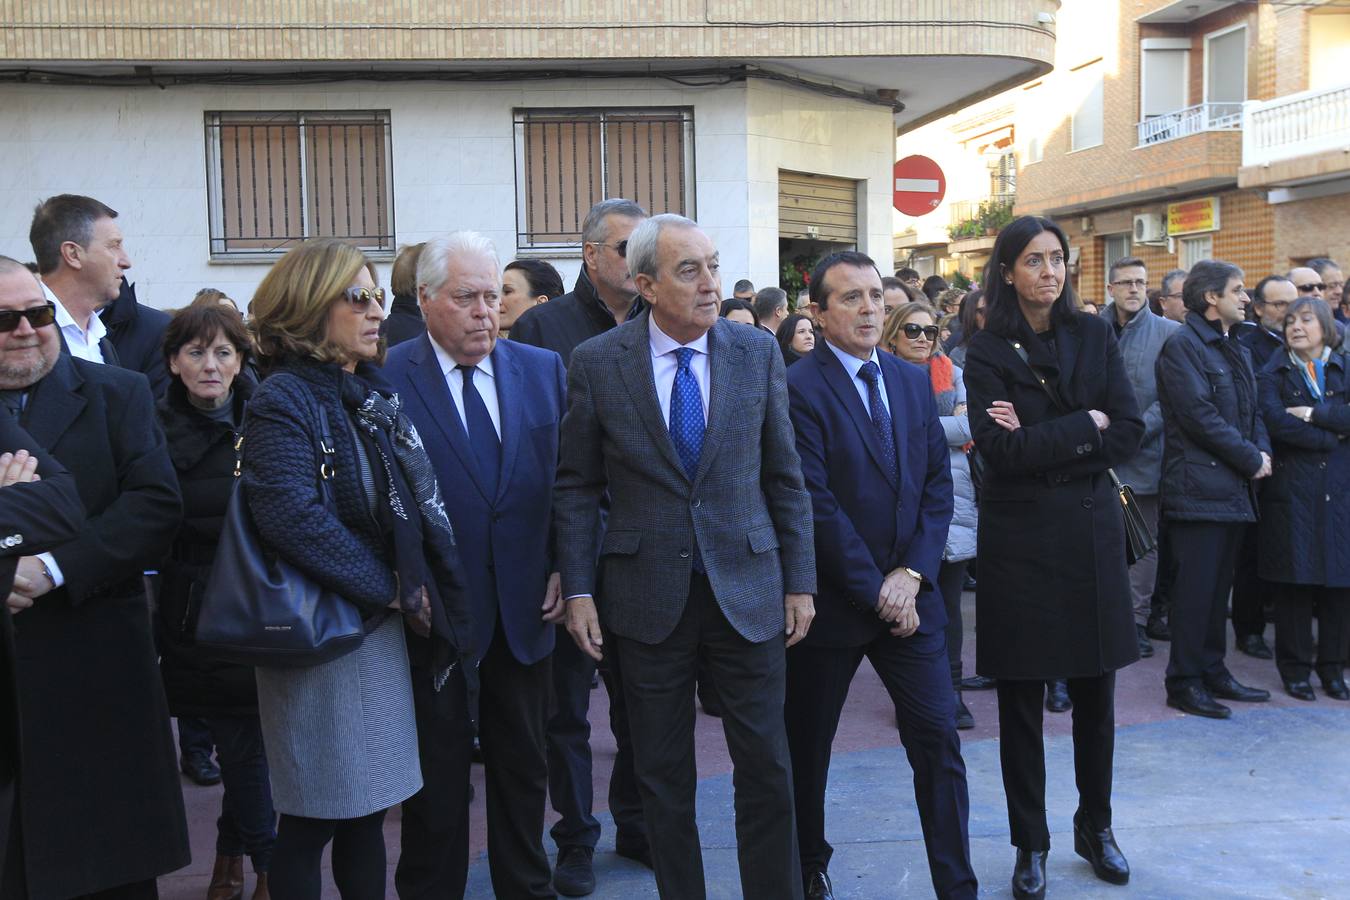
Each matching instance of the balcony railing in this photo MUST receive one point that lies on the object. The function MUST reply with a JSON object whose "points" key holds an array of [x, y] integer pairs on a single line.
{"points": [[1191, 120], [1295, 125], [965, 210]]}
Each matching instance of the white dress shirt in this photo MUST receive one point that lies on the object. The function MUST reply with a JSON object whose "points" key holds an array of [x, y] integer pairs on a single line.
{"points": [[853, 365], [82, 343], [483, 380], [665, 364]]}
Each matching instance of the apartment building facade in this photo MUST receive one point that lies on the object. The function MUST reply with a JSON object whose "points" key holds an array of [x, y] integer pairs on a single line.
{"points": [[1179, 131], [225, 133]]}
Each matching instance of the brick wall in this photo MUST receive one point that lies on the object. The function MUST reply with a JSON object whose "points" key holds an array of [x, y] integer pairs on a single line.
{"points": [[1308, 228]]}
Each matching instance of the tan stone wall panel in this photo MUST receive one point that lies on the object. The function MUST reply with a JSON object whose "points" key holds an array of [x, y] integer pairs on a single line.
{"points": [[301, 30]]}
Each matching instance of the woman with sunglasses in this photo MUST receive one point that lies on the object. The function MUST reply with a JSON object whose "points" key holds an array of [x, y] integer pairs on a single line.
{"points": [[1051, 410], [1304, 392], [911, 333], [340, 736]]}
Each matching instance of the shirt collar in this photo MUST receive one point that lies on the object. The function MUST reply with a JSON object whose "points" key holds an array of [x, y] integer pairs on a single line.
{"points": [[853, 365], [96, 330], [663, 343], [449, 365]]}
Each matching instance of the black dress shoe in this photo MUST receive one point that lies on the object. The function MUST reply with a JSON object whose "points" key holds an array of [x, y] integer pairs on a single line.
{"points": [[1228, 688], [1197, 701], [977, 683], [1057, 696], [199, 768], [965, 719], [574, 875], [1158, 629], [1028, 881], [1254, 645], [1335, 688], [969, 584], [1099, 848], [1145, 646], [635, 848], [1299, 689], [818, 886]]}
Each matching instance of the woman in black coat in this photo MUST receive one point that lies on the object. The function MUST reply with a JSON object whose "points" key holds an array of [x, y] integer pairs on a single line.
{"points": [[1051, 409], [202, 413], [1305, 402]]}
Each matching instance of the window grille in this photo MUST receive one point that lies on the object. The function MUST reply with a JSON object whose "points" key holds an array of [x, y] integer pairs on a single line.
{"points": [[569, 160], [277, 178]]}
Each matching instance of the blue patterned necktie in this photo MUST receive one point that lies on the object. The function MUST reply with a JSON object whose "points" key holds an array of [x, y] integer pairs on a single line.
{"points": [[487, 447], [881, 419], [686, 413]]}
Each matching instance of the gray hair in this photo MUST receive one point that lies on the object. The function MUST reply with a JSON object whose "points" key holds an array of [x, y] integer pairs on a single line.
{"points": [[1321, 265], [1331, 336], [1172, 276], [768, 300], [642, 242], [433, 265], [595, 231]]}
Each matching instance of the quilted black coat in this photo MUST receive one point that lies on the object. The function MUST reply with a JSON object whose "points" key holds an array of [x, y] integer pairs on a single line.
{"points": [[203, 454], [1304, 515]]}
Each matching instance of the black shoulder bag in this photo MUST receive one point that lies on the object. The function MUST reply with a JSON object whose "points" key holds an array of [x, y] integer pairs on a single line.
{"points": [[259, 610], [1139, 541]]}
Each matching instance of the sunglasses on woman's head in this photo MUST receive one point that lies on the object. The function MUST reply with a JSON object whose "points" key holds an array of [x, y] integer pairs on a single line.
{"points": [[360, 298], [913, 331], [37, 317]]}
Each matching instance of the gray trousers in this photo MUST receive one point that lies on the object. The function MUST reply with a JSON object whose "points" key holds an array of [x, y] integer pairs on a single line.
{"points": [[1144, 572]]}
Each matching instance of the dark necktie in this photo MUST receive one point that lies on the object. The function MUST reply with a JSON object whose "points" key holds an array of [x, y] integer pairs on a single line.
{"points": [[881, 419], [686, 413], [487, 447]]}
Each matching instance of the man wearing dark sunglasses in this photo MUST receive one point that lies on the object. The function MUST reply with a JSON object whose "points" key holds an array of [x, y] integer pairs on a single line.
{"points": [[1308, 282], [88, 681], [604, 297]]}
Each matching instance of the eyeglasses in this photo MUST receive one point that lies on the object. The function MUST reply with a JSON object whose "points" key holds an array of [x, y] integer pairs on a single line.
{"points": [[1175, 295], [37, 317], [1309, 288], [914, 331], [359, 298], [1131, 282], [620, 248]]}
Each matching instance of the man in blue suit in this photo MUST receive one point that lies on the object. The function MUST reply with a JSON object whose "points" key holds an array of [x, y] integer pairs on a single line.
{"points": [[875, 462], [488, 412]]}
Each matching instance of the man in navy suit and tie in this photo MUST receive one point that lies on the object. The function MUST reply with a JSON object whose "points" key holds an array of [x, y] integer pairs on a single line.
{"points": [[875, 461], [488, 412]]}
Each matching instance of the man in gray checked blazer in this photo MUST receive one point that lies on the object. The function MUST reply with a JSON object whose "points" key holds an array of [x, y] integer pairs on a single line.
{"points": [[707, 554]]}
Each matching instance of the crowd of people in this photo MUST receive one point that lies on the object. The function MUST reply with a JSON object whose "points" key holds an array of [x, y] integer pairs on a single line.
{"points": [[520, 491]]}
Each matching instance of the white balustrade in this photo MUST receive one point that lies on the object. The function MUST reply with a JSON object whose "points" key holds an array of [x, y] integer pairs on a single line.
{"points": [[1191, 120], [1296, 125]]}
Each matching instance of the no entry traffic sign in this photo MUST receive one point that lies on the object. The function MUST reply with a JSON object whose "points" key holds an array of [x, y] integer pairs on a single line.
{"points": [[919, 185]]}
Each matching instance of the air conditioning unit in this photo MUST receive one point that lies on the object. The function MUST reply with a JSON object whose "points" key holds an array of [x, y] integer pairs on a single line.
{"points": [[1149, 228]]}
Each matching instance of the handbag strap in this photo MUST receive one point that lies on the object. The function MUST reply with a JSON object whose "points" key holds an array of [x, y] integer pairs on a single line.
{"points": [[327, 456], [1054, 401]]}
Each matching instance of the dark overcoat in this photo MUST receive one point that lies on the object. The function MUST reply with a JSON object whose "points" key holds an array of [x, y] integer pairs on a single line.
{"points": [[1213, 433], [204, 456], [1054, 597], [1304, 516], [101, 800], [136, 332]]}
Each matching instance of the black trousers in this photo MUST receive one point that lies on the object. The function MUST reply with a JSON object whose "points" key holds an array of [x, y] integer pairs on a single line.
{"points": [[513, 699], [917, 675], [1294, 648], [12, 881], [658, 682], [359, 862], [1250, 590], [1205, 553], [1022, 753], [951, 579], [568, 739], [1166, 574]]}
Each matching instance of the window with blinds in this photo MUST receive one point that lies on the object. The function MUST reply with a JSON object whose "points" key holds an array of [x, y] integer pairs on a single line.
{"points": [[569, 160], [277, 178]]}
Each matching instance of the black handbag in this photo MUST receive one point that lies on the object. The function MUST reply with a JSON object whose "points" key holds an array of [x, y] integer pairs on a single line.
{"points": [[259, 610], [1139, 540]]}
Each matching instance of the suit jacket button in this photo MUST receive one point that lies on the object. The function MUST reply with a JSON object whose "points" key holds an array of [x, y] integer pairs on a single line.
{"points": [[684, 554], [1087, 503]]}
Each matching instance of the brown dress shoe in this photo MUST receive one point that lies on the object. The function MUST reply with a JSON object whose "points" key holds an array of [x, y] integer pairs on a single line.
{"points": [[227, 879]]}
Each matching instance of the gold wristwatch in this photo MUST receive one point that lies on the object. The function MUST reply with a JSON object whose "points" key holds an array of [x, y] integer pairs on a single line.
{"points": [[918, 576]]}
